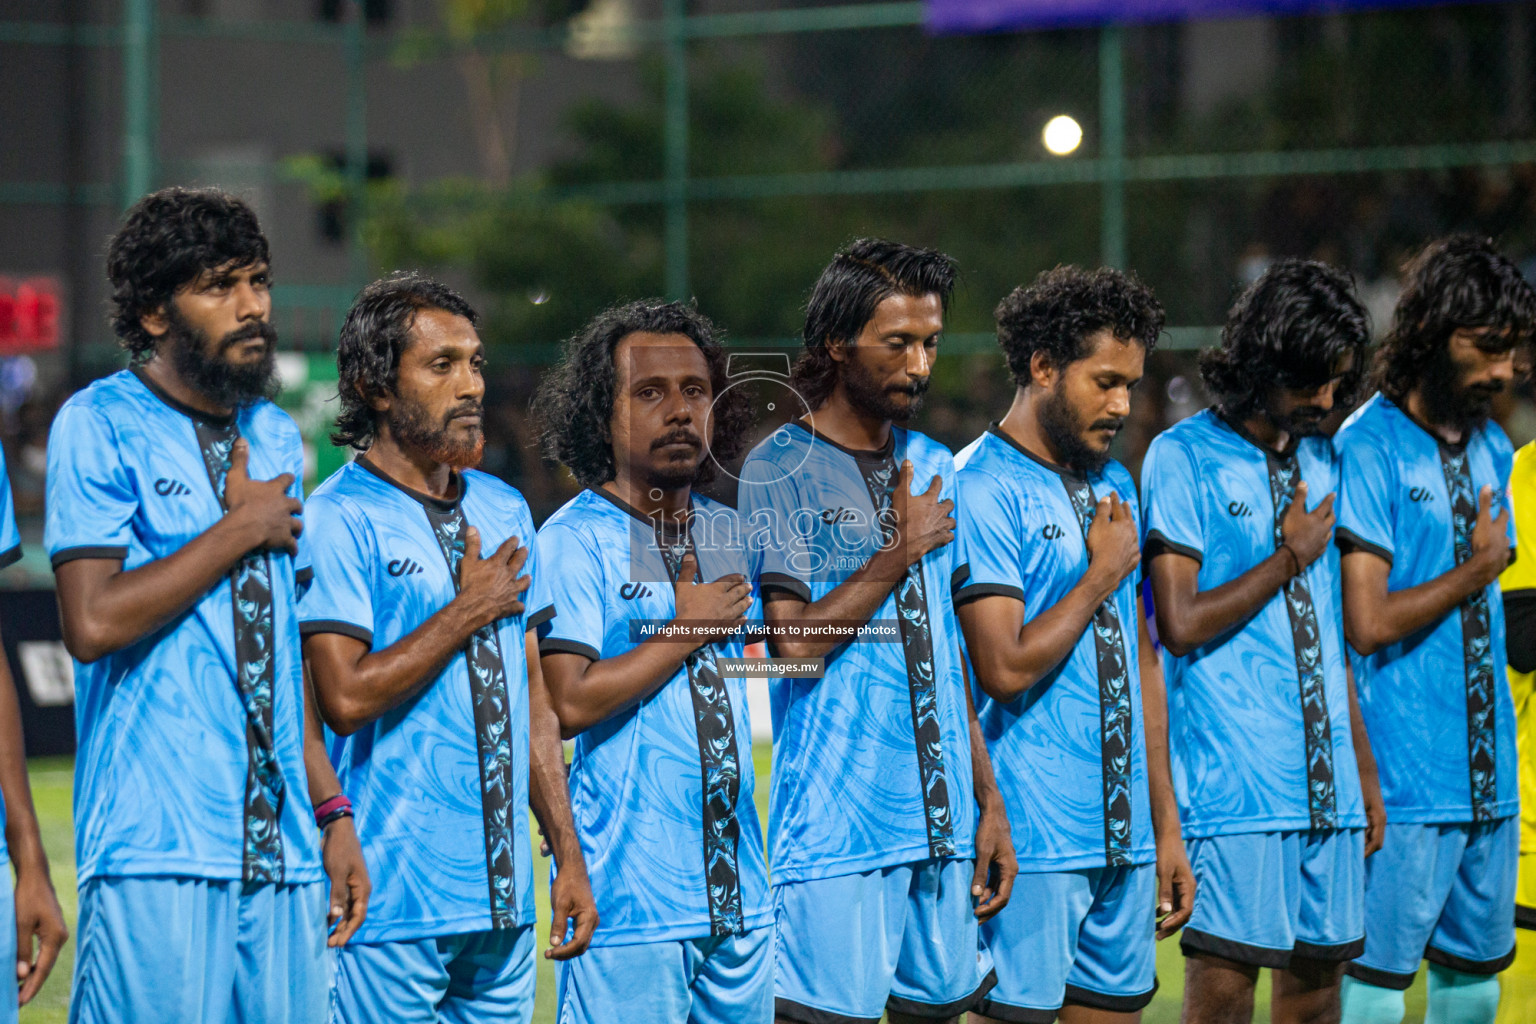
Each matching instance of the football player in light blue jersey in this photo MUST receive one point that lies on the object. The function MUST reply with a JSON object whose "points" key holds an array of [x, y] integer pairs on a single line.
{"points": [[30, 901], [661, 779], [1070, 690], [424, 665], [1424, 526], [173, 526], [890, 839], [1270, 761]]}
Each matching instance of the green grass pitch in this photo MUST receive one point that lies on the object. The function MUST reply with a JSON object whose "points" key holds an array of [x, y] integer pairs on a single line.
{"points": [[52, 785]]}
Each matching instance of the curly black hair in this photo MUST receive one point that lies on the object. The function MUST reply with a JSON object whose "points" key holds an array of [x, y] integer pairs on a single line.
{"points": [[1064, 307], [1455, 282], [862, 275], [374, 334], [167, 239], [574, 401], [1290, 328]]}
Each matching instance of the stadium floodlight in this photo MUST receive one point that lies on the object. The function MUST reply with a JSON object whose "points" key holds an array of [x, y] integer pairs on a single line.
{"points": [[1062, 135]]}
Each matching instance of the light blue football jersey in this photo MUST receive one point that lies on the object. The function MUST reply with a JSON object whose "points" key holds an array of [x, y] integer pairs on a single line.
{"points": [[1070, 753], [661, 792], [1436, 704], [10, 554], [872, 763], [190, 758], [1259, 724], [439, 784]]}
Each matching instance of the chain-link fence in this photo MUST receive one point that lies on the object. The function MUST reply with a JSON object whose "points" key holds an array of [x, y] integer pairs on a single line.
{"points": [[552, 159]]}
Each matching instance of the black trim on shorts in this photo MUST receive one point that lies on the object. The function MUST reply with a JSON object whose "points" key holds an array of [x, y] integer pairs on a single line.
{"points": [[1381, 979], [1525, 917], [1349, 541], [791, 1010], [1157, 544], [1196, 942], [778, 584], [71, 554], [1015, 1014], [944, 1011], [555, 645], [336, 626], [1465, 966], [1338, 953], [1114, 1004], [971, 591]]}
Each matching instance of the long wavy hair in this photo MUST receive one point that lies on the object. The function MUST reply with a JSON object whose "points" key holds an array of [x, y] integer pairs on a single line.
{"points": [[1290, 328], [1455, 282], [574, 401]]}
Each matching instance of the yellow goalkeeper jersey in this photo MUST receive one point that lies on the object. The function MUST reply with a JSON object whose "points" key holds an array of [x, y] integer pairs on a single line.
{"points": [[1521, 575]]}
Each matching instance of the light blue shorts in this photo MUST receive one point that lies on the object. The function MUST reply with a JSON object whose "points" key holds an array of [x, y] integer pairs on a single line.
{"points": [[464, 979], [174, 950], [1263, 897], [902, 938], [1442, 893], [8, 1008], [1086, 937], [724, 980]]}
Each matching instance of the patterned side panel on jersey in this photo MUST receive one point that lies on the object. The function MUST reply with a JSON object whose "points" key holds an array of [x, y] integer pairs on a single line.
{"points": [[493, 739], [917, 645], [1322, 804], [1115, 713], [720, 765], [251, 589], [1476, 642]]}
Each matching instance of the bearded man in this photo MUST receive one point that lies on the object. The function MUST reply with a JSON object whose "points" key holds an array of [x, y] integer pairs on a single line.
{"points": [[173, 526], [424, 666], [1425, 528], [1277, 789]]}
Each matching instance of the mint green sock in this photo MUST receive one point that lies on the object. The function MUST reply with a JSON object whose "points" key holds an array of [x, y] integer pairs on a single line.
{"points": [[1370, 1004], [1459, 998]]}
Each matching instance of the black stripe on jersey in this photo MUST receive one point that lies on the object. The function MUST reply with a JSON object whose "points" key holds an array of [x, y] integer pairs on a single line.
{"points": [[250, 584], [1116, 716], [1307, 645], [917, 644], [720, 767], [492, 709], [1476, 642]]}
